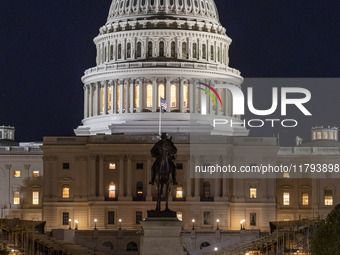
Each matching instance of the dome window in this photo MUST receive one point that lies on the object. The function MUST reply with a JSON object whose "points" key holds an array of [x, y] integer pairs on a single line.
{"points": [[143, 2], [161, 93], [121, 4], [135, 3], [161, 49], [188, 2], [161, 2], [180, 2], [204, 51], [128, 50], [208, 6], [212, 53], [150, 51], [152, 2], [119, 51], [194, 50], [184, 50], [127, 3], [171, 2], [202, 4], [196, 3], [139, 50], [173, 49]]}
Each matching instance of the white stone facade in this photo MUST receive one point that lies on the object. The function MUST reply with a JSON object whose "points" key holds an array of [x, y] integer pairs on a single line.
{"points": [[146, 51]]}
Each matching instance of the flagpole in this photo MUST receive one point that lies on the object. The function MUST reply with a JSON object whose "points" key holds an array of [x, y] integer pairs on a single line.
{"points": [[160, 120]]}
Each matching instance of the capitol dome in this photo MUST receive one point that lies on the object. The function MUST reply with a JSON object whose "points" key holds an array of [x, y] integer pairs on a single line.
{"points": [[152, 49]]}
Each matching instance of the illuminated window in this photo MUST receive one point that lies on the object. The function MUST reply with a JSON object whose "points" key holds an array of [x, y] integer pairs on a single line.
{"points": [[335, 135], [286, 219], [179, 192], [125, 95], [331, 135], [180, 216], [161, 93], [112, 190], [17, 174], [136, 96], [35, 174], [112, 166], [173, 49], [118, 97], [103, 98], [286, 175], [35, 197], [66, 191], [16, 198], [149, 96], [325, 135], [109, 98], [319, 135], [253, 193], [286, 198], [173, 96], [161, 49], [305, 199], [329, 197], [186, 96]]}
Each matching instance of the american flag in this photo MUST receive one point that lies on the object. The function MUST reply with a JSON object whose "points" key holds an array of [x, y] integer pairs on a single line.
{"points": [[164, 106]]}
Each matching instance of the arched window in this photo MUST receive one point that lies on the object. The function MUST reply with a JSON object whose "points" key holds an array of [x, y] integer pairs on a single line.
{"points": [[194, 50], [143, 2], [139, 50], [173, 101], [186, 96], [125, 95], [218, 54], [206, 187], [328, 197], [150, 50], [180, 2], [204, 51], [171, 2], [173, 49], [136, 102], [204, 244], [128, 50], [161, 49], [161, 2], [211, 52], [152, 2], [112, 190], [66, 191], [161, 93], [111, 52], [134, 2], [127, 3], [108, 245], [149, 96], [121, 4], [102, 99], [132, 246], [139, 190], [184, 50], [196, 3], [119, 51], [189, 2]]}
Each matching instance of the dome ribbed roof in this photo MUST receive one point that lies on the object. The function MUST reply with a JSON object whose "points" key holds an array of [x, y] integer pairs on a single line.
{"points": [[190, 9]]}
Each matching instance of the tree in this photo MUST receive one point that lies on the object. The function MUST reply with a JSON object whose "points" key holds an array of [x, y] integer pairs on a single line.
{"points": [[326, 240], [4, 252]]}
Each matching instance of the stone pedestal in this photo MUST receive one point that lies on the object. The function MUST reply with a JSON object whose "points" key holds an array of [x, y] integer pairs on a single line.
{"points": [[161, 237]]}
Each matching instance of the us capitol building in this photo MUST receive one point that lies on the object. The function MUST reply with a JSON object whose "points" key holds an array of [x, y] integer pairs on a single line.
{"points": [[100, 178]]}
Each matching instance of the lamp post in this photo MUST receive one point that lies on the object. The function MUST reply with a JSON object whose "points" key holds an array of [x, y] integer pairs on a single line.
{"points": [[76, 228], [243, 225], [193, 224], [216, 249], [120, 223], [70, 224], [95, 224], [217, 221]]}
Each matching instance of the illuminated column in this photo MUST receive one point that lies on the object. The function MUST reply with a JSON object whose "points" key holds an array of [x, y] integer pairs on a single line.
{"points": [[181, 99], [129, 178], [112, 86], [92, 175], [121, 177], [121, 98], [154, 95], [192, 95], [188, 192], [115, 87], [91, 101], [148, 179], [96, 99], [141, 85], [101, 176], [168, 93], [132, 101], [105, 98], [86, 97]]}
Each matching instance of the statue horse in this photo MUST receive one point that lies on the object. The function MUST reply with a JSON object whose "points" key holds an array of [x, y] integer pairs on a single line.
{"points": [[163, 181]]}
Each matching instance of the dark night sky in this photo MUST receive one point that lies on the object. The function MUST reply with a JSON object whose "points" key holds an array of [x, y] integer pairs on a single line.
{"points": [[46, 45]]}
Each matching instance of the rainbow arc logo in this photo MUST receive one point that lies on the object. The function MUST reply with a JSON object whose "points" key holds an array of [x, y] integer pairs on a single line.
{"points": [[209, 93]]}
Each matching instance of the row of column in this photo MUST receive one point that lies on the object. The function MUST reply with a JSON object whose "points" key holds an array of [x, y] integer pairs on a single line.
{"points": [[103, 98], [207, 50]]}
